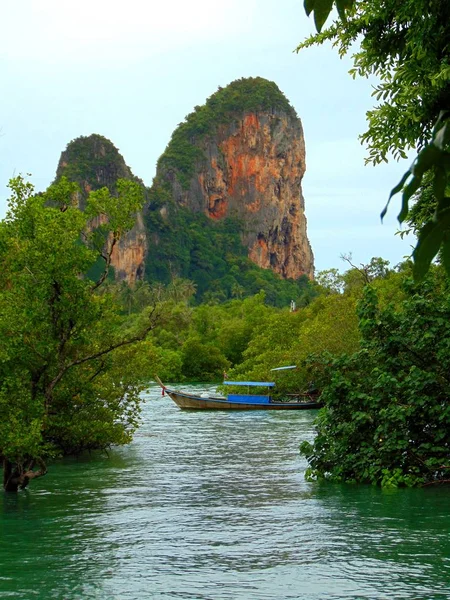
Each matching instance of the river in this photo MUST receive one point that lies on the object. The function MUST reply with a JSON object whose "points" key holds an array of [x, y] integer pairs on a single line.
{"points": [[214, 506]]}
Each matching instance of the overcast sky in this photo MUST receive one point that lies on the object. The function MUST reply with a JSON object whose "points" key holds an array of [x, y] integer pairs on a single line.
{"points": [[132, 71]]}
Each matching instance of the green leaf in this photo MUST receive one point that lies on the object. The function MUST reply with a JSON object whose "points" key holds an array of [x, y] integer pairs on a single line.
{"points": [[440, 182], [425, 160], [430, 240], [322, 9], [409, 190], [442, 136], [445, 253], [342, 6], [394, 191], [442, 207], [444, 116], [309, 6]]}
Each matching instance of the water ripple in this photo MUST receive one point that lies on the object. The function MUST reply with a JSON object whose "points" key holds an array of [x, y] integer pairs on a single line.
{"points": [[214, 506]]}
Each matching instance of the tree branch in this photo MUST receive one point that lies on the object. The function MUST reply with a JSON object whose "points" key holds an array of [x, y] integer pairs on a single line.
{"points": [[107, 260], [436, 482], [30, 474], [137, 338], [16, 477], [363, 272]]}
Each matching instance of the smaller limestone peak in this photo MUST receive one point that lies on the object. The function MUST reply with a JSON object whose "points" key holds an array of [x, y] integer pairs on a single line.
{"points": [[93, 162]]}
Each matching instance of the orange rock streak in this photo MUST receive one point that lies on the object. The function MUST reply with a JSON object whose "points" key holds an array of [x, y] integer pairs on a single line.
{"points": [[258, 177], [254, 171]]}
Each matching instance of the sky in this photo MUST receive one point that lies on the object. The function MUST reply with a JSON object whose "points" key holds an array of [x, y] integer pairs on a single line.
{"points": [[131, 71]]}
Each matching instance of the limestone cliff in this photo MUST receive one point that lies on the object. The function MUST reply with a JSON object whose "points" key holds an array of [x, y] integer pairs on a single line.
{"points": [[226, 209], [94, 162], [242, 154]]}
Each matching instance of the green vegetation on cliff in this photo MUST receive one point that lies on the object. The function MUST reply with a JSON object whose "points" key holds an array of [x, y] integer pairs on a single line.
{"points": [[184, 243], [95, 161], [188, 244], [211, 254], [242, 96]]}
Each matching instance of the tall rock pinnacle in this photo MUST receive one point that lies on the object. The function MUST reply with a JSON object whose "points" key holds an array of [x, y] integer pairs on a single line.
{"points": [[242, 154]]}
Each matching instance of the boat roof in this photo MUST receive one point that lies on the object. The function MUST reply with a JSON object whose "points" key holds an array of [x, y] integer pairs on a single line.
{"points": [[251, 383]]}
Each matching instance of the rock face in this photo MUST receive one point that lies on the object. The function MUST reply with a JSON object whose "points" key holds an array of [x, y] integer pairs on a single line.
{"points": [[94, 162], [240, 155], [251, 166], [128, 257]]}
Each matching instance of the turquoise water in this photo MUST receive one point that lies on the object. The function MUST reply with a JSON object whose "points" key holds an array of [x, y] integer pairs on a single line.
{"points": [[212, 506]]}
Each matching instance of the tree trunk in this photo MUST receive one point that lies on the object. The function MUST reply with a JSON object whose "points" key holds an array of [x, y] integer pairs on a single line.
{"points": [[9, 481], [15, 476]]}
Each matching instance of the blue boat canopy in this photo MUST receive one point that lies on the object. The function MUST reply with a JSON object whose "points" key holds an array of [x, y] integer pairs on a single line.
{"points": [[252, 383]]}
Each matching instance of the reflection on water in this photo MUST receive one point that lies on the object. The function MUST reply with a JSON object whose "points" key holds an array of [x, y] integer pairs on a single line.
{"points": [[211, 506]]}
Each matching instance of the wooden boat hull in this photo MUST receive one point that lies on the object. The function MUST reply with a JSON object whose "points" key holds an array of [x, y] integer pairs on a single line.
{"points": [[189, 401]]}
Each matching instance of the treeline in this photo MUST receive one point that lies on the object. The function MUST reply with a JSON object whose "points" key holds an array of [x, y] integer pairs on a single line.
{"points": [[374, 344], [248, 337]]}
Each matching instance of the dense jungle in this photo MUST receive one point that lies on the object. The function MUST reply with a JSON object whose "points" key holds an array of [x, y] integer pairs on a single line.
{"points": [[82, 334]]}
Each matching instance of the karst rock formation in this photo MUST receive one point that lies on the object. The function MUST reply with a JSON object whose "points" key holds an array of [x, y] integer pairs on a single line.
{"points": [[94, 162], [241, 155]]}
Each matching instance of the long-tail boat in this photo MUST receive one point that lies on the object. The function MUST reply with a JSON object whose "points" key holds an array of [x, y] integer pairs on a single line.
{"points": [[248, 401]]}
